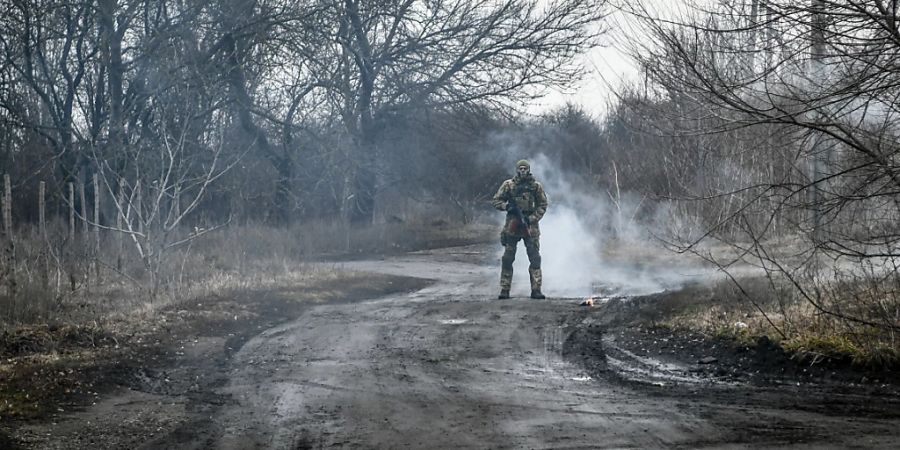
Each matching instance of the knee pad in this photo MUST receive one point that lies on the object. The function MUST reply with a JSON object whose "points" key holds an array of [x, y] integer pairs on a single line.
{"points": [[509, 255]]}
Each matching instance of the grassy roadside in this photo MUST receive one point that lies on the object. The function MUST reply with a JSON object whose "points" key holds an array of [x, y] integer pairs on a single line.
{"points": [[815, 312], [53, 368], [62, 353], [767, 316]]}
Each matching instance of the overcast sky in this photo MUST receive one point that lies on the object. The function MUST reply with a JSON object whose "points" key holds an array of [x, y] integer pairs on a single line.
{"points": [[608, 66]]}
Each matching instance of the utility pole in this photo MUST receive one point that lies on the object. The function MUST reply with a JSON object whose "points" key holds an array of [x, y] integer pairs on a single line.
{"points": [[817, 153]]}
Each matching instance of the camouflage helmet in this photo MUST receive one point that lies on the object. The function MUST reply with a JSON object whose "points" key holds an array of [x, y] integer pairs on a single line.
{"points": [[523, 162]]}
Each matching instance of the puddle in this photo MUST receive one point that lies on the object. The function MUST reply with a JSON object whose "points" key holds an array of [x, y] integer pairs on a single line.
{"points": [[634, 372], [453, 321], [648, 370]]}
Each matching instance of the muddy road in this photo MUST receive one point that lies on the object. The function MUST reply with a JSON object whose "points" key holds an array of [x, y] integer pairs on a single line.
{"points": [[450, 366]]}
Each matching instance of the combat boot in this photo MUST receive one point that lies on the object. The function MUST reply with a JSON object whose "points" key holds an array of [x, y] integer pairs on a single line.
{"points": [[504, 293], [536, 280]]}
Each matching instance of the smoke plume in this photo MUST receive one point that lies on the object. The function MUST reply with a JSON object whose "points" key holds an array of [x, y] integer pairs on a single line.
{"points": [[592, 242]]}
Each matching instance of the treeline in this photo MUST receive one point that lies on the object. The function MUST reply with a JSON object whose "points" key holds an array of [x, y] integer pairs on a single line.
{"points": [[781, 118], [757, 123], [267, 110]]}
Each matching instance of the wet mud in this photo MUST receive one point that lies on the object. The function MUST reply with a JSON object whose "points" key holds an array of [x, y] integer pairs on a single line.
{"points": [[450, 366]]}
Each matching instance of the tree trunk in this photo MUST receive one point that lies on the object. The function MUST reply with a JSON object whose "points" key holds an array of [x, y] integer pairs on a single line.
{"points": [[284, 191], [283, 164], [362, 206], [112, 59], [362, 211]]}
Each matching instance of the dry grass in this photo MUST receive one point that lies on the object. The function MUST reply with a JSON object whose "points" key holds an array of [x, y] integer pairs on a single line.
{"points": [[75, 311], [44, 367], [58, 281], [773, 308]]}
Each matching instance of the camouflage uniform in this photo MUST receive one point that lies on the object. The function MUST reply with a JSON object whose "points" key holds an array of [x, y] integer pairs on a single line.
{"points": [[529, 195]]}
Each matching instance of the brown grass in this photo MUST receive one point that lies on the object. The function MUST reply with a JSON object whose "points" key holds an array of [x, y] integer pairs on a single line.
{"points": [[70, 282], [774, 308], [75, 310]]}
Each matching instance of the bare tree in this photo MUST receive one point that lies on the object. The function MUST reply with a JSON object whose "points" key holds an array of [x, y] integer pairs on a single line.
{"points": [[801, 104], [166, 182], [264, 50], [47, 54], [390, 56]]}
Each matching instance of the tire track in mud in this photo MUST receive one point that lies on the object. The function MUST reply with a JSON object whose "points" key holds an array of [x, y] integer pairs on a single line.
{"points": [[450, 366], [444, 367], [591, 345]]}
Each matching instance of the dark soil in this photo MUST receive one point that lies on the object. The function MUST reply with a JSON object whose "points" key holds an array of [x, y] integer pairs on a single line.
{"points": [[52, 338], [312, 368], [51, 369], [763, 362], [633, 323]]}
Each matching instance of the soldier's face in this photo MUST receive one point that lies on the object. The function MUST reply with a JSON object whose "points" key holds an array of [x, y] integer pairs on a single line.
{"points": [[522, 170]]}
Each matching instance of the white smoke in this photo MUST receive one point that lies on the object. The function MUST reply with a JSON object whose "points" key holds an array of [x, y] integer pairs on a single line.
{"points": [[593, 244]]}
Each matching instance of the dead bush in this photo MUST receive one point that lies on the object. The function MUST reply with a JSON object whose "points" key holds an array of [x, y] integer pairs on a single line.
{"points": [[64, 279], [747, 308]]}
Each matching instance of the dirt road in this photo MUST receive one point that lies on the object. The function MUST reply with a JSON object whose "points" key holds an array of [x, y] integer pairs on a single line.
{"points": [[450, 366]]}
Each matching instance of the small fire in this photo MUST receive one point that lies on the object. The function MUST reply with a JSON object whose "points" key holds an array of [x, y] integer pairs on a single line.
{"points": [[594, 300]]}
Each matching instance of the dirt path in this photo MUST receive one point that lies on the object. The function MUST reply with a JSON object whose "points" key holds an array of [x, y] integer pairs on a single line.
{"points": [[452, 367]]}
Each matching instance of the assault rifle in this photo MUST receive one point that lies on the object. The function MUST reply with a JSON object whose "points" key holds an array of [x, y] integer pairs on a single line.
{"points": [[513, 207]]}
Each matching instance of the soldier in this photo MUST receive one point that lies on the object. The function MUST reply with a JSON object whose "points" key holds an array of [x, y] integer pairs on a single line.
{"points": [[523, 199]]}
